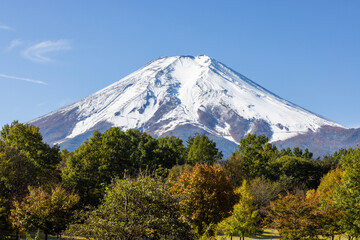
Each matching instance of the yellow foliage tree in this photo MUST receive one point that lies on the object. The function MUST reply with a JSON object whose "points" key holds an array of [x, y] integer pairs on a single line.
{"points": [[328, 185], [206, 196], [244, 219]]}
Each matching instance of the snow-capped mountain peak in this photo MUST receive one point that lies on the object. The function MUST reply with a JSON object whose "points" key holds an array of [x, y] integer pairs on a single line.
{"points": [[171, 94]]}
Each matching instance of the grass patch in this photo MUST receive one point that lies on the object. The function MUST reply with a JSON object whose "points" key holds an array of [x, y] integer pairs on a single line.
{"points": [[267, 234], [51, 237]]}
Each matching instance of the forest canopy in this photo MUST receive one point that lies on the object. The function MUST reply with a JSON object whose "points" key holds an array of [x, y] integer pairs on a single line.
{"points": [[179, 190]]}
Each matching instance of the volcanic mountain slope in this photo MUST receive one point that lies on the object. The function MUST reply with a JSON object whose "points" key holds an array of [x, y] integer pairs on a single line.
{"points": [[181, 96]]}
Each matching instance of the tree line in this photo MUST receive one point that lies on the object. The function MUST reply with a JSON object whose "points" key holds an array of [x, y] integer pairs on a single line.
{"points": [[129, 185]]}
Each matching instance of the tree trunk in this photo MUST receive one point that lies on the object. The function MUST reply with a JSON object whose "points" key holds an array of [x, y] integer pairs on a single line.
{"points": [[46, 236], [126, 204]]}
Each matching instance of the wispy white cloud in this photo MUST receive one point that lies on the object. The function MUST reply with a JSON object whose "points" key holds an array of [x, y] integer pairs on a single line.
{"points": [[38, 52], [5, 27], [14, 43], [23, 79], [41, 104], [64, 102]]}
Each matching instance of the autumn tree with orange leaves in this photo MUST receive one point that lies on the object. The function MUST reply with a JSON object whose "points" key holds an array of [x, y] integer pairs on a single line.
{"points": [[206, 196], [50, 212], [297, 217]]}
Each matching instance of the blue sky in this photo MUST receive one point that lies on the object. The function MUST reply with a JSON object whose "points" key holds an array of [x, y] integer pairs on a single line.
{"points": [[53, 53]]}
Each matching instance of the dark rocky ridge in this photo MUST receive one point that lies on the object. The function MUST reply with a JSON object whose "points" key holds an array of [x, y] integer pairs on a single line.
{"points": [[325, 141]]}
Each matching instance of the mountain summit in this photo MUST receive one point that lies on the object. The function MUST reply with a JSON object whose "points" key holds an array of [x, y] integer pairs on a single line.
{"points": [[180, 96]]}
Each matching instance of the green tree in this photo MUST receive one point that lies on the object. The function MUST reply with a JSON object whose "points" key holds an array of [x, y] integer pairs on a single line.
{"points": [[83, 171], [17, 172], [170, 151], [113, 154], [65, 155], [27, 138], [252, 158], [4, 212], [142, 151], [200, 149], [307, 154], [235, 169], [244, 219], [332, 161], [296, 172], [347, 196], [134, 209], [286, 152], [49, 212], [296, 152], [206, 197]]}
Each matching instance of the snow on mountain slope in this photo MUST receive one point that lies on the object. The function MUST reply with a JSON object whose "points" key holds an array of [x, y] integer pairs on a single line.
{"points": [[170, 92]]}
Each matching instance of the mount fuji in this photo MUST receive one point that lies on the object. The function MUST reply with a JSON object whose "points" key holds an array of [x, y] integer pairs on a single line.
{"points": [[184, 95]]}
